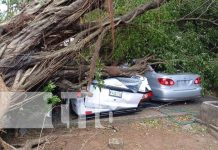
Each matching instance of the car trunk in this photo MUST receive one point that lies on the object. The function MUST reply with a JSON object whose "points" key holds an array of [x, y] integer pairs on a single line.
{"points": [[116, 93], [182, 81]]}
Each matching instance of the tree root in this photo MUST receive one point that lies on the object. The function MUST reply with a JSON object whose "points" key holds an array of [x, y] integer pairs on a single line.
{"points": [[30, 144]]}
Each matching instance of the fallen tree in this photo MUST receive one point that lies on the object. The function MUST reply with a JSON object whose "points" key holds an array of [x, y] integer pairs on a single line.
{"points": [[32, 49], [31, 43], [31, 52]]}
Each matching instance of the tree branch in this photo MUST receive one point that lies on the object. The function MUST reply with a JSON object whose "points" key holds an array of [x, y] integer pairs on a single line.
{"points": [[193, 19]]}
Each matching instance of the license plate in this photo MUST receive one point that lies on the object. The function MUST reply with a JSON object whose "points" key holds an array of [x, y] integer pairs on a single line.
{"points": [[183, 82], [115, 93]]}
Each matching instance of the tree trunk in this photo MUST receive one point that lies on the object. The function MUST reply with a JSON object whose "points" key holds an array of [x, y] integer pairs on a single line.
{"points": [[31, 43]]}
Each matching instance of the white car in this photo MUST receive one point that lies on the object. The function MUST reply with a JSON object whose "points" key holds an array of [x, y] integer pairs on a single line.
{"points": [[117, 93]]}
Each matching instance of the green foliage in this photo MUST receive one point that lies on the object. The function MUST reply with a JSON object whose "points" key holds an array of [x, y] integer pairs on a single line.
{"points": [[52, 99], [50, 87], [189, 45], [98, 74], [94, 15], [123, 6]]}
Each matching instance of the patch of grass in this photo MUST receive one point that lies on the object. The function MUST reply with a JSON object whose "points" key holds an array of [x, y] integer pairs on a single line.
{"points": [[187, 120], [199, 129], [168, 124], [152, 123], [184, 118]]}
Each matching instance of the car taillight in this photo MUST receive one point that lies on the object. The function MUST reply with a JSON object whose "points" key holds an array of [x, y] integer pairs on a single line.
{"points": [[150, 94], [197, 81], [88, 112], [147, 95], [166, 81], [78, 94]]}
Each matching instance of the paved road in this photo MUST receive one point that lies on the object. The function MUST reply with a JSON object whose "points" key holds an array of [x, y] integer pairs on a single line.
{"points": [[150, 110], [157, 110]]}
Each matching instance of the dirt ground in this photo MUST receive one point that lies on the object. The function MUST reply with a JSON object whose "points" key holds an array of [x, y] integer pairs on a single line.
{"points": [[137, 131], [152, 134]]}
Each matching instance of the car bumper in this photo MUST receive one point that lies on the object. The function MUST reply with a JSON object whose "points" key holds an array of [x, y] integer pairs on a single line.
{"points": [[81, 110], [172, 95]]}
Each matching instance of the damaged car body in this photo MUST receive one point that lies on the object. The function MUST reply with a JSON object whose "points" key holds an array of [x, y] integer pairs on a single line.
{"points": [[116, 94]]}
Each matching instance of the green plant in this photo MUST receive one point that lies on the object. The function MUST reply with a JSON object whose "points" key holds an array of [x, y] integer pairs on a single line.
{"points": [[52, 99], [50, 87], [190, 45], [152, 123], [98, 74]]}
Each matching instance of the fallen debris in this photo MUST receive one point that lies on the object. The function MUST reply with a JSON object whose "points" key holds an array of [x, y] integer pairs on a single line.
{"points": [[6, 146], [187, 127], [115, 143]]}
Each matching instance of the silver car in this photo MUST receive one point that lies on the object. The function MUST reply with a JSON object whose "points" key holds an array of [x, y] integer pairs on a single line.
{"points": [[173, 87]]}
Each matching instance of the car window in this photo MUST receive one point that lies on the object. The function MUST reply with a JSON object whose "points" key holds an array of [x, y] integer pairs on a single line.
{"points": [[159, 68], [178, 67]]}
